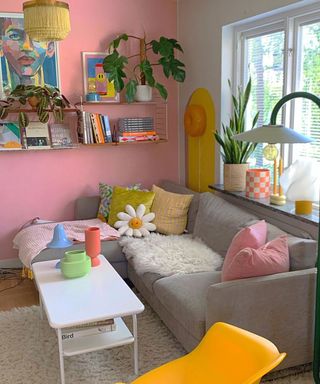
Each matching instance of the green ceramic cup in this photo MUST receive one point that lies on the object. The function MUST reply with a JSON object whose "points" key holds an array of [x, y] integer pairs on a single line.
{"points": [[75, 264]]}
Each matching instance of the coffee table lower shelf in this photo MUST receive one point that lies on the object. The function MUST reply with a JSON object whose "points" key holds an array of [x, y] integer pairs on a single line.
{"points": [[90, 343]]}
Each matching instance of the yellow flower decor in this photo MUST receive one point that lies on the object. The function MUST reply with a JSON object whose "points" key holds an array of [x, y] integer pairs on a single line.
{"points": [[135, 222]]}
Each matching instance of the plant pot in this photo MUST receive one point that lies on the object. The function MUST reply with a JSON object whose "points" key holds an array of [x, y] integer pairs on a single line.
{"points": [[33, 101], [234, 177], [144, 93], [93, 244]]}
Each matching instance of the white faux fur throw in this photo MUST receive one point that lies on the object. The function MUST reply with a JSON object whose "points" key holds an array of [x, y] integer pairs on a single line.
{"points": [[168, 255]]}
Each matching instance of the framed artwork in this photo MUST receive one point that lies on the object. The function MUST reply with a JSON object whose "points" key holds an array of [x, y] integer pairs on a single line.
{"points": [[97, 87], [22, 60]]}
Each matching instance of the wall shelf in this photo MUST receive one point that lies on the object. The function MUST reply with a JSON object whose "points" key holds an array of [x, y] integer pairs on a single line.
{"points": [[115, 144], [157, 109]]}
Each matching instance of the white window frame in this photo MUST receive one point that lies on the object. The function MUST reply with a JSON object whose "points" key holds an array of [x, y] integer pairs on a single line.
{"points": [[290, 22]]}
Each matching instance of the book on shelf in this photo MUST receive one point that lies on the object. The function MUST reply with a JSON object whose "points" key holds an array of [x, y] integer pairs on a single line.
{"points": [[132, 139], [90, 136], [134, 133], [99, 127], [37, 135], [89, 329], [10, 137], [107, 128], [94, 128], [135, 124]]}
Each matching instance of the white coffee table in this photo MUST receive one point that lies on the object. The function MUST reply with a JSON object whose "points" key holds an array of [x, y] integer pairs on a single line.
{"points": [[100, 295]]}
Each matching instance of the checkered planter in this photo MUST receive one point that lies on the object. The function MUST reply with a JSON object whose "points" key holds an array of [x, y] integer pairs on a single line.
{"points": [[258, 183]]}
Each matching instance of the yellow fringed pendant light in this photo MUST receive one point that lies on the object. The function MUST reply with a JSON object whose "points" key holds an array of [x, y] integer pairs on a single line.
{"points": [[46, 20]]}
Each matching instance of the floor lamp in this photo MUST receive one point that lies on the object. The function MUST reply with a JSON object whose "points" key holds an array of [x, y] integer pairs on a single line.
{"points": [[273, 134]]}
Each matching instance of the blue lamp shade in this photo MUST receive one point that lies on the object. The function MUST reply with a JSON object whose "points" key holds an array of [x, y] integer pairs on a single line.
{"points": [[59, 239]]}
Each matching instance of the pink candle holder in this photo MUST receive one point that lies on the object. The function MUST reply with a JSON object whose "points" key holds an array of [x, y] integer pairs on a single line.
{"points": [[93, 245]]}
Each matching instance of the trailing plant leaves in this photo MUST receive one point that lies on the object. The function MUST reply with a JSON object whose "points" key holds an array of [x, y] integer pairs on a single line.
{"points": [[162, 90], [58, 115], [23, 120], [3, 112], [44, 117], [131, 89]]}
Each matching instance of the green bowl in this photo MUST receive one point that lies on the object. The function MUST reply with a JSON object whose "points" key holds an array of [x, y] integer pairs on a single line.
{"points": [[72, 269]]}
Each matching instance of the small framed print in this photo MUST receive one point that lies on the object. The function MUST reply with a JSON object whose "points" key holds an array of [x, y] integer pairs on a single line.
{"points": [[37, 135], [60, 135], [96, 85]]}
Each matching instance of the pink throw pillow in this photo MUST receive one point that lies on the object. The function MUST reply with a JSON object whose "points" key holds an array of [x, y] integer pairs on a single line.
{"points": [[271, 258], [250, 237]]}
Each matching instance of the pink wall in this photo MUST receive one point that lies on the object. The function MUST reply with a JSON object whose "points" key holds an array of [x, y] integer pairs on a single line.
{"points": [[46, 183]]}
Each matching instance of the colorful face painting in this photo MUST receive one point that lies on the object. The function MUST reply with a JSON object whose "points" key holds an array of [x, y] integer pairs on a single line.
{"points": [[24, 61]]}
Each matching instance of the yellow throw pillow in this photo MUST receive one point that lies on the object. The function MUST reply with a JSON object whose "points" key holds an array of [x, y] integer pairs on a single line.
{"points": [[171, 210], [122, 196]]}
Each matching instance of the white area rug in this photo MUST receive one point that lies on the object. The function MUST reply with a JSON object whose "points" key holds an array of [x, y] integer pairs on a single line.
{"points": [[171, 254], [29, 353]]}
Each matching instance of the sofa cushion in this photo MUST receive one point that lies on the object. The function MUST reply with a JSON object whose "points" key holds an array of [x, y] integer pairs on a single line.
{"points": [[253, 236], [184, 296], [171, 210], [268, 259], [86, 207], [218, 221], [302, 252], [123, 196], [106, 192], [170, 186], [148, 278]]}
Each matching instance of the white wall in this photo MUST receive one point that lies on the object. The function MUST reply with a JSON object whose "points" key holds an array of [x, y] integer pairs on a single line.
{"points": [[200, 25]]}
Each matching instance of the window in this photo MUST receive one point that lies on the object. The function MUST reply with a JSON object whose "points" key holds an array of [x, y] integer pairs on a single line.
{"points": [[282, 55]]}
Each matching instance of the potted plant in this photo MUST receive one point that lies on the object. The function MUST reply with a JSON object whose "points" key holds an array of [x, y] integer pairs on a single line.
{"points": [[44, 100], [140, 77], [234, 153]]}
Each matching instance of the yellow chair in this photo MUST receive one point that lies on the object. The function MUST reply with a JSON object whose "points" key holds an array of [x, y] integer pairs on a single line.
{"points": [[226, 355]]}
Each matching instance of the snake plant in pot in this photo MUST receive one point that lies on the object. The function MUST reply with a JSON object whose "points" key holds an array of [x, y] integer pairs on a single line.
{"points": [[139, 75], [235, 154]]}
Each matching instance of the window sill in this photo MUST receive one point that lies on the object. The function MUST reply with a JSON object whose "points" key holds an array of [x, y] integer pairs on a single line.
{"points": [[288, 209]]}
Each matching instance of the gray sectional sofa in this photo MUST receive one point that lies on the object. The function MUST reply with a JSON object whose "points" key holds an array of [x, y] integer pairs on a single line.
{"points": [[279, 307]]}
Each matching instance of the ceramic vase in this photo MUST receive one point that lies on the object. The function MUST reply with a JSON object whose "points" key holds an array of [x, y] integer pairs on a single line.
{"points": [[93, 245]]}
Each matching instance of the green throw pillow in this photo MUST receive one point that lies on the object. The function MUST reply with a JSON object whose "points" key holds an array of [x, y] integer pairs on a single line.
{"points": [[121, 197], [105, 191]]}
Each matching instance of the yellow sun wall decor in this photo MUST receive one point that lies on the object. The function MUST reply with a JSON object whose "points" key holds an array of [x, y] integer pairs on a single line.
{"points": [[201, 147]]}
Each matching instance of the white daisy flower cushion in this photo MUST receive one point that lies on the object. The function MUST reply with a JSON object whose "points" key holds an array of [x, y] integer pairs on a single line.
{"points": [[134, 222]]}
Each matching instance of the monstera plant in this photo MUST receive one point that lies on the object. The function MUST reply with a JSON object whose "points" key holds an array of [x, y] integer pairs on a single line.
{"points": [[127, 73], [44, 100]]}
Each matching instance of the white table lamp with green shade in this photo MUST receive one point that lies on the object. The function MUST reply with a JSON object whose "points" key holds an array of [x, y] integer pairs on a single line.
{"points": [[278, 134]]}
